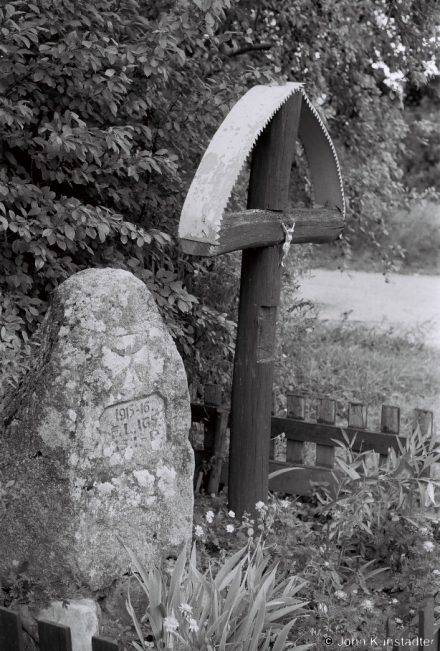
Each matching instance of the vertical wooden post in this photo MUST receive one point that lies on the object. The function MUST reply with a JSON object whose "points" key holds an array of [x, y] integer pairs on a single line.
{"points": [[296, 408], [11, 636], [260, 290], [425, 420], [426, 626], [325, 454], [357, 415], [103, 644], [389, 424], [54, 637]]}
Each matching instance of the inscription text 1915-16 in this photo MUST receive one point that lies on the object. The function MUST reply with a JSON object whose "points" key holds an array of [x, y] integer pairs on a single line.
{"points": [[141, 417]]}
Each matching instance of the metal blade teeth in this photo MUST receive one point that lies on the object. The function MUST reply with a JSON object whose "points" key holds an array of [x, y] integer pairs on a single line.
{"points": [[257, 135], [335, 156]]}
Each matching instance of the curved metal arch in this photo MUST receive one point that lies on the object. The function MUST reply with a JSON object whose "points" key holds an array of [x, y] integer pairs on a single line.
{"points": [[208, 195]]}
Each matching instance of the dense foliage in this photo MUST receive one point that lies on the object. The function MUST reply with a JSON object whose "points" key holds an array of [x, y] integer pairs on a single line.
{"points": [[365, 552], [106, 108]]}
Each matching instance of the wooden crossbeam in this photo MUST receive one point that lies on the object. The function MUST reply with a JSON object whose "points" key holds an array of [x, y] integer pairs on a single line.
{"points": [[257, 228]]}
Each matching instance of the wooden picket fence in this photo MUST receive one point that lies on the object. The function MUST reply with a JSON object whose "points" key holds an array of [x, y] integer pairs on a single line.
{"points": [[51, 636], [55, 637], [309, 446]]}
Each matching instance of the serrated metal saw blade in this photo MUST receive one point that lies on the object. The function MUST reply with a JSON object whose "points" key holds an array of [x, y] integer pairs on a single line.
{"points": [[227, 152]]}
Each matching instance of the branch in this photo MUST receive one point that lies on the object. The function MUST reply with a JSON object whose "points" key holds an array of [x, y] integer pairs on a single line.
{"points": [[251, 48]]}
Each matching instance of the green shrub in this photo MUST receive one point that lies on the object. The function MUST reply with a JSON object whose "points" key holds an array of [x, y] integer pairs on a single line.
{"points": [[366, 555]]}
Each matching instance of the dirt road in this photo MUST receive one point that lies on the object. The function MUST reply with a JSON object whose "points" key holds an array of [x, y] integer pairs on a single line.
{"points": [[404, 301]]}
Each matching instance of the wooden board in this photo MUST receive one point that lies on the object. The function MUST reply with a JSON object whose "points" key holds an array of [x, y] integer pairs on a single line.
{"points": [[256, 228], [323, 434], [260, 290]]}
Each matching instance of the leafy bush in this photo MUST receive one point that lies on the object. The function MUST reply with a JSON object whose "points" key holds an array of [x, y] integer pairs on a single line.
{"points": [[106, 108], [366, 553]]}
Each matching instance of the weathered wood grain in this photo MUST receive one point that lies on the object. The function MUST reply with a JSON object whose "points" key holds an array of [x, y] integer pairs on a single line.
{"points": [[322, 434], [258, 228], [260, 290]]}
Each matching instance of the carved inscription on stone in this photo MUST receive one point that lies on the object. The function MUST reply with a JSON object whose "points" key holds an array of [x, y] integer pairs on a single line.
{"points": [[136, 421]]}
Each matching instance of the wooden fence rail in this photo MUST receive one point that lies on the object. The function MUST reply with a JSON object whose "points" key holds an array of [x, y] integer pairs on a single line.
{"points": [[55, 637], [309, 446]]}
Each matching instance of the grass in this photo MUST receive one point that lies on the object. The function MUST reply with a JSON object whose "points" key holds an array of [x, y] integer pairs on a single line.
{"points": [[416, 232], [352, 363]]}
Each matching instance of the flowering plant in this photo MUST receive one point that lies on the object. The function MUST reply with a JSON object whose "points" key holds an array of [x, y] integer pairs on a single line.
{"points": [[242, 608]]}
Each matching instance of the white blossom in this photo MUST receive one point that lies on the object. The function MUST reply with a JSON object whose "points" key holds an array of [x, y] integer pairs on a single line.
{"points": [[193, 625], [209, 516], [428, 546], [230, 528], [250, 532], [284, 504], [185, 609], [340, 594], [170, 624], [198, 531], [322, 608], [367, 604], [260, 506], [437, 572], [231, 514], [398, 620]]}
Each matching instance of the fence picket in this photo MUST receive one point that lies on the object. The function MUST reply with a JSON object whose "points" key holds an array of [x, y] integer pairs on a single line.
{"points": [[11, 636], [54, 637], [103, 644], [325, 454], [212, 398], [357, 415], [296, 408], [426, 627], [424, 419]]}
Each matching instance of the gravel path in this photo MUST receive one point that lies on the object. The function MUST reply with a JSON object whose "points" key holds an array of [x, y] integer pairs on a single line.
{"points": [[407, 302]]}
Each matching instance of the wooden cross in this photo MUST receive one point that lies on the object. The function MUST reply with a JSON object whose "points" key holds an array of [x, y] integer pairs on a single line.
{"points": [[261, 231]]}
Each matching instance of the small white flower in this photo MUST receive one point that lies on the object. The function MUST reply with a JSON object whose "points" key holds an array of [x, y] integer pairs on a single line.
{"points": [[326, 564], [398, 620], [322, 550], [170, 624], [250, 532], [230, 528], [428, 546], [260, 506], [411, 611], [424, 530], [394, 601], [284, 504], [367, 604], [193, 625], [185, 609], [198, 531], [354, 591], [209, 516], [322, 608], [340, 594], [231, 514], [436, 572]]}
